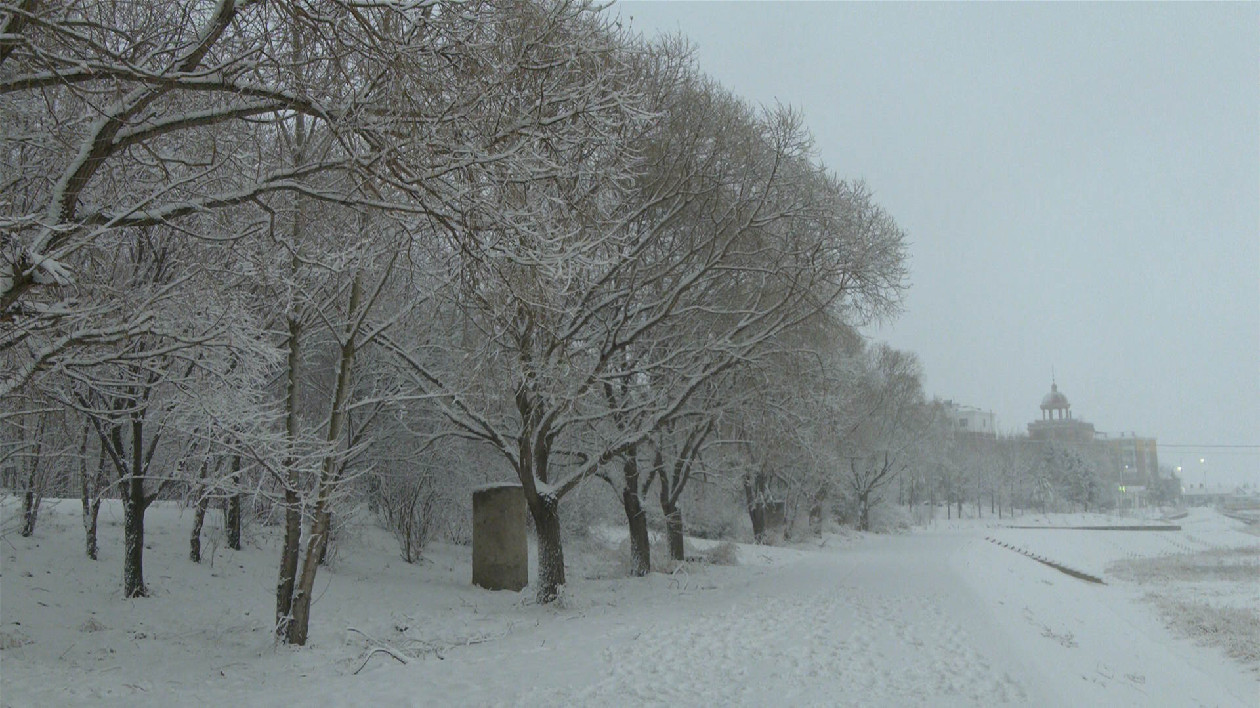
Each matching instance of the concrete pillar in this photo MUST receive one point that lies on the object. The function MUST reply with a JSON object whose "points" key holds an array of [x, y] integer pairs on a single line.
{"points": [[500, 546]]}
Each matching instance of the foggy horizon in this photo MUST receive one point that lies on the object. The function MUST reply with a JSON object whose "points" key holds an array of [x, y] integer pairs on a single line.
{"points": [[1080, 185]]}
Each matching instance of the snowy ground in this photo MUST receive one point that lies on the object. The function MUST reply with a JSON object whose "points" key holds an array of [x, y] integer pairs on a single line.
{"points": [[940, 616]]}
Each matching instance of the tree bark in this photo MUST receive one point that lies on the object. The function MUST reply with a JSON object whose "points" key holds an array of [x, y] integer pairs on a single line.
{"points": [[674, 530], [864, 511], [636, 516], [232, 521], [323, 548], [232, 512], [90, 515], [30, 512], [550, 552], [669, 506], [755, 501], [329, 477], [194, 539], [292, 502], [90, 498], [292, 510], [134, 505], [199, 515], [299, 627]]}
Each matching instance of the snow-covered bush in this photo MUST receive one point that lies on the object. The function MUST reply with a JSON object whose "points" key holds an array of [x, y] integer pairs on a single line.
{"points": [[412, 508], [890, 518], [725, 553], [884, 517]]}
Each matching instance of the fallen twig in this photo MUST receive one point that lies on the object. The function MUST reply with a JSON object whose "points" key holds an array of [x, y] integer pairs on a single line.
{"points": [[384, 650]]}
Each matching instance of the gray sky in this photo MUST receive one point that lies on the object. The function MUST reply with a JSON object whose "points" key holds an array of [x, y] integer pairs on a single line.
{"points": [[1080, 184]]}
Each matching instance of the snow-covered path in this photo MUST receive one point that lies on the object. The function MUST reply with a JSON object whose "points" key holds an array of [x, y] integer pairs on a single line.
{"points": [[890, 623], [937, 617], [923, 619]]}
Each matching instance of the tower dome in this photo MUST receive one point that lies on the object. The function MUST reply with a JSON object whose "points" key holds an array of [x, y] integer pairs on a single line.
{"points": [[1055, 401]]}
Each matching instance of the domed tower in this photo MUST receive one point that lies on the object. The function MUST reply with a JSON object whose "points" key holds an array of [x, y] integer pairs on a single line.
{"points": [[1057, 422], [1055, 401]]}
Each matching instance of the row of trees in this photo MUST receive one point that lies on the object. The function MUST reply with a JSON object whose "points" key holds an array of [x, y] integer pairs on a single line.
{"points": [[298, 251], [1004, 475]]}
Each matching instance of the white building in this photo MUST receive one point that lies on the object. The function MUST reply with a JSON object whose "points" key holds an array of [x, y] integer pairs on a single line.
{"points": [[969, 419]]}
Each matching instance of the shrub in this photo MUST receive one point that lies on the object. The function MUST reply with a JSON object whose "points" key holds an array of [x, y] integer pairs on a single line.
{"points": [[408, 505], [724, 553]]}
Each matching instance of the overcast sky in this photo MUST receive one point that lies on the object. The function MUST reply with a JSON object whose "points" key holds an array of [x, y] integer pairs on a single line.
{"points": [[1080, 184]]}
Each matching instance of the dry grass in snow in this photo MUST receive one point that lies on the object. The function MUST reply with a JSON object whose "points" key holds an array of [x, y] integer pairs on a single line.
{"points": [[1211, 596]]}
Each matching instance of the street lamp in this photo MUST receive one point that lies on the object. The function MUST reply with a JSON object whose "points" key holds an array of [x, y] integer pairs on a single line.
{"points": [[1203, 469]]}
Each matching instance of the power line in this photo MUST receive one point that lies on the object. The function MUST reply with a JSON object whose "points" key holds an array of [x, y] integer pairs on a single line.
{"points": [[1205, 446]]}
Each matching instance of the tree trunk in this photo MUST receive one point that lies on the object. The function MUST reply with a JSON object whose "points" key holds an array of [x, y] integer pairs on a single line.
{"points": [[550, 552], [89, 526], [232, 521], [636, 516], [199, 519], [299, 627], [85, 502], [288, 563], [30, 512], [329, 477], [323, 548], [756, 505], [292, 510], [864, 511], [818, 508], [90, 498], [674, 530], [134, 506], [232, 512], [199, 515], [669, 508]]}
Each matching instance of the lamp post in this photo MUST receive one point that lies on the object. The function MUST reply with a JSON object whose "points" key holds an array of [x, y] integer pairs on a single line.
{"points": [[1203, 469]]}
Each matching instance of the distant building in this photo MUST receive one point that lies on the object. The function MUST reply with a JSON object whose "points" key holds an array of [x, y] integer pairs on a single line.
{"points": [[1134, 460], [1057, 423], [969, 420], [1129, 461]]}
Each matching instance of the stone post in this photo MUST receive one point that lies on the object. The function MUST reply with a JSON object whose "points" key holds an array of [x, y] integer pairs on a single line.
{"points": [[500, 546]]}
